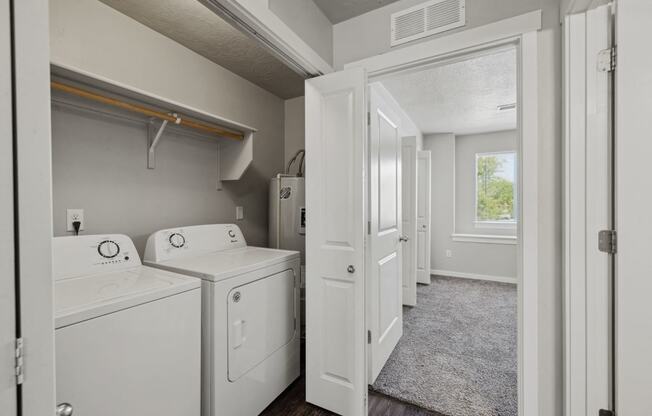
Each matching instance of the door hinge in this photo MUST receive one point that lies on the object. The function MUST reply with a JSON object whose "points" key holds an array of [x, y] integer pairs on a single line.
{"points": [[368, 227], [607, 241], [20, 355], [368, 337], [607, 60], [368, 118], [603, 412]]}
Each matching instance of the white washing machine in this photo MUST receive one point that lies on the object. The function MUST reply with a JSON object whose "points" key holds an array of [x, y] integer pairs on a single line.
{"points": [[127, 336], [250, 313]]}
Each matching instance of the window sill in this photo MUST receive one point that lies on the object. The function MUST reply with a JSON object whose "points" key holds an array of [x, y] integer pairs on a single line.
{"points": [[485, 239], [496, 225]]}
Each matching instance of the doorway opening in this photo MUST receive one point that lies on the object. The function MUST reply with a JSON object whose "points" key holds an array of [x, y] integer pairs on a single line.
{"points": [[457, 124]]}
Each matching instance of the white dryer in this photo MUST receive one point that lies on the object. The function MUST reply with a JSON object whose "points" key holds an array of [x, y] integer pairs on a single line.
{"points": [[250, 313], [127, 336]]}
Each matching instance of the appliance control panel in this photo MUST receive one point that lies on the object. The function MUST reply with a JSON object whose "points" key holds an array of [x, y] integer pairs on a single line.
{"points": [[179, 242], [92, 254]]}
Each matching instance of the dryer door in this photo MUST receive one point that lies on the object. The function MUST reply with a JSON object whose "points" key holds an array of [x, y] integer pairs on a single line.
{"points": [[261, 317]]}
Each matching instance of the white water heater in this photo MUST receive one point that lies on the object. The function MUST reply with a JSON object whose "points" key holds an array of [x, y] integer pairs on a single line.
{"points": [[287, 214]]}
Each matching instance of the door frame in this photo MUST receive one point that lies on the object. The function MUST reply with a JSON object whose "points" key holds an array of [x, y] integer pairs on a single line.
{"points": [[520, 31]]}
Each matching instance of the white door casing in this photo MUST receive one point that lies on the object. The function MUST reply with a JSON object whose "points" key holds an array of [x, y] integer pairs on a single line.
{"points": [[335, 264], [409, 214], [424, 192], [633, 281], [383, 278], [8, 391], [588, 209]]}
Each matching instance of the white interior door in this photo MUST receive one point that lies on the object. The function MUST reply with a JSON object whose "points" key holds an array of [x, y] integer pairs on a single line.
{"points": [[633, 147], [423, 216], [8, 394], [335, 237], [588, 209], [409, 214], [33, 166], [384, 274]]}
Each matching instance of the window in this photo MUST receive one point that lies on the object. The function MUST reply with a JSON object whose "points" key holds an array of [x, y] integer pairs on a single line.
{"points": [[495, 188]]}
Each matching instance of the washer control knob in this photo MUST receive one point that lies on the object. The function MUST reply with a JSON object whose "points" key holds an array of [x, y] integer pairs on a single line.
{"points": [[231, 233], [108, 249], [177, 240]]}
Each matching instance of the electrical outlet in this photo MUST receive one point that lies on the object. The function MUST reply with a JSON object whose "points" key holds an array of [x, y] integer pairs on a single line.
{"points": [[239, 213], [74, 214], [449, 253]]}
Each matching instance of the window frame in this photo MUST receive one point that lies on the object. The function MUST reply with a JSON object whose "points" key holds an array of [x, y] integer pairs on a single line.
{"points": [[495, 224]]}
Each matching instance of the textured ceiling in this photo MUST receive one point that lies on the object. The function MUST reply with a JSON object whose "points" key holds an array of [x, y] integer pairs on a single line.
{"points": [[340, 10], [460, 97], [191, 24]]}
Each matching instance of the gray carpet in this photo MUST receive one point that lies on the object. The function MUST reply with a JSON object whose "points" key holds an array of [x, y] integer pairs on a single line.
{"points": [[457, 355]]}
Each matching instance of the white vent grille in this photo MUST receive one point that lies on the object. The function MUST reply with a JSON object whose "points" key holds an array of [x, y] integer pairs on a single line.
{"points": [[427, 19]]}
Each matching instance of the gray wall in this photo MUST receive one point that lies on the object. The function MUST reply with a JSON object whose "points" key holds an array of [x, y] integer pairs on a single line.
{"points": [[309, 22], [368, 35], [295, 128], [498, 260], [466, 148], [99, 164]]}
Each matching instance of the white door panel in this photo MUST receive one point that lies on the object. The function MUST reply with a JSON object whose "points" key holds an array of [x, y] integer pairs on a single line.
{"points": [[384, 282], [633, 281], [423, 216], [335, 297], [588, 200], [409, 214], [7, 291]]}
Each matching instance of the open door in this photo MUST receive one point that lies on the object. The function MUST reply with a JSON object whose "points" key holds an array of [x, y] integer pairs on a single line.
{"points": [[423, 216], [8, 389], [335, 237], [384, 274], [409, 186]]}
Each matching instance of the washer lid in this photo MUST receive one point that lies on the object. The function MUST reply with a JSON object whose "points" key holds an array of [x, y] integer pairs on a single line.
{"points": [[224, 264], [86, 297]]}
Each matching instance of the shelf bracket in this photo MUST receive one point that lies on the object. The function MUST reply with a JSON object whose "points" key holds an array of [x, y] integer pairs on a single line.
{"points": [[154, 136]]}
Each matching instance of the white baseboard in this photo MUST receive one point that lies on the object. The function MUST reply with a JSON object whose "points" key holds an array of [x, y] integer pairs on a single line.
{"points": [[502, 279]]}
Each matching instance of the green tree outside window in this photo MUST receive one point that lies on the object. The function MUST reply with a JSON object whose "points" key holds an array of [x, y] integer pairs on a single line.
{"points": [[495, 190]]}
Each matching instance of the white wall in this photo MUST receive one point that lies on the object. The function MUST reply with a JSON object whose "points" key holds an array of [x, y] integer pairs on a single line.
{"points": [[307, 21], [101, 166], [466, 147], [468, 258], [368, 35], [295, 128]]}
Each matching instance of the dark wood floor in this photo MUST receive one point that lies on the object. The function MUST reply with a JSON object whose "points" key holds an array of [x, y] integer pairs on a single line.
{"points": [[292, 402]]}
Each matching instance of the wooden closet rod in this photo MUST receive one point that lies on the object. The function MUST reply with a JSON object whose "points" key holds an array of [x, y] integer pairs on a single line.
{"points": [[144, 110]]}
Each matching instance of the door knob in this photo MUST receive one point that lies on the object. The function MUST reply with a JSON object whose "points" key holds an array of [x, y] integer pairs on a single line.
{"points": [[64, 409], [350, 269], [403, 239]]}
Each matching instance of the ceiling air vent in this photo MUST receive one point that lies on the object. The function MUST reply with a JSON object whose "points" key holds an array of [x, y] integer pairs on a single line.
{"points": [[427, 19]]}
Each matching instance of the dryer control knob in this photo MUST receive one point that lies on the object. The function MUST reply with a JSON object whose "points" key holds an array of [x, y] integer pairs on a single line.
{"points": [[108, 249]]}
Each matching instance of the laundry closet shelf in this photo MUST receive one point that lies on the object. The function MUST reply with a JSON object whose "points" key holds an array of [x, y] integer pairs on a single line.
{"points": [[84, 91]]}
